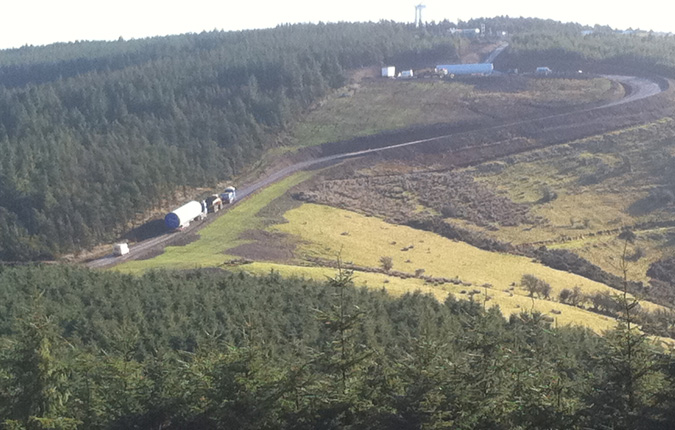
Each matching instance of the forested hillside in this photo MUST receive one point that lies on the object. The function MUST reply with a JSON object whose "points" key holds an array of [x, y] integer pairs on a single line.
{"points": [[565, 48], [210, 350], [93, 133]]}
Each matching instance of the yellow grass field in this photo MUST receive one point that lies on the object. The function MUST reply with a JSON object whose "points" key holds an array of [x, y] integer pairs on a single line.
{"points": [[489, 278], [363, 240]]}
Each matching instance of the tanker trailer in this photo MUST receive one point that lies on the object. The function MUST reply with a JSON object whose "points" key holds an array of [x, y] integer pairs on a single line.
{"points": [[181, 217]]}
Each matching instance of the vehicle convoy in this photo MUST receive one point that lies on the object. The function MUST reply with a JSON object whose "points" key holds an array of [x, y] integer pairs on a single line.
{"points": [[229, 195], [184, 215]]}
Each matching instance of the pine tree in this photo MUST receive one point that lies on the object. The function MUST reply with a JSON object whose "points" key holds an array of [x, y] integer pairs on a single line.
{"points": [[624, 393], [36, 377]]}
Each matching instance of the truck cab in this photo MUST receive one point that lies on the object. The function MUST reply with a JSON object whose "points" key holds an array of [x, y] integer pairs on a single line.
{"points": [[229, 195], [214, 203]]}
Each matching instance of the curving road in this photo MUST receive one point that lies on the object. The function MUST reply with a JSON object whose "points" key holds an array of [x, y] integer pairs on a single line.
{"points": [[638, 88]]}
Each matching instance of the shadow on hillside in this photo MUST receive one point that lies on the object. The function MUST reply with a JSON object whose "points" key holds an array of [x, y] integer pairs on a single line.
{"points": [[643, 207], [658, 198], [148, 230]]}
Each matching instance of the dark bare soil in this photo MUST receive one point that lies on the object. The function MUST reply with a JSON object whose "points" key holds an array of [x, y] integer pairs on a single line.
{"points": [[397, 197], [179, 239], [555, 126], [266, 246], [151, 253]]}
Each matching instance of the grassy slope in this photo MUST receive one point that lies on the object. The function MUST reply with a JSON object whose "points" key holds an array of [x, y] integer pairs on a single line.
{"points": [[508, 304], [369, 238], [378, 105], [365, 240], [581, 208]]}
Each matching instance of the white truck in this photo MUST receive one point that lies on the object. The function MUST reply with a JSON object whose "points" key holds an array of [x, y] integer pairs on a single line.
{"points": [[229, 195], [120, 249]]}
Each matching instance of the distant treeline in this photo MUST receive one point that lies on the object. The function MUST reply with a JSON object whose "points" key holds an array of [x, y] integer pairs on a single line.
{"points": [[211, 350], [93, 133], [599, 49]]}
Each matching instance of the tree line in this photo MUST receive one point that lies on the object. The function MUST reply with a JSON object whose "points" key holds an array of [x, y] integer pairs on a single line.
{"points": [[210, 349], [598, 49]]}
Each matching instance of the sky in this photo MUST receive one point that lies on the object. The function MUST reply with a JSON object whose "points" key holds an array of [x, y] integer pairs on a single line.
{"points": [[41, 22]]}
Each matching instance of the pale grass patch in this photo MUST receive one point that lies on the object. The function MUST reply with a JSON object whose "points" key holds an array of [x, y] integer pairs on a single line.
{"points": [[573, 215], [564, 90], [320, 228], [606, 251], [382, 104]]}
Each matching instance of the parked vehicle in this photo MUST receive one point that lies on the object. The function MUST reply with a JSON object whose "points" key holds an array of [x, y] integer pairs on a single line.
{"points": [[229, 195], [184, 215], [543, 71], [120, 249], [431, 73]]}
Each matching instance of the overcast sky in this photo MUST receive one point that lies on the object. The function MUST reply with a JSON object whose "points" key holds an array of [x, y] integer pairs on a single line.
{"points": [[40, 22]]}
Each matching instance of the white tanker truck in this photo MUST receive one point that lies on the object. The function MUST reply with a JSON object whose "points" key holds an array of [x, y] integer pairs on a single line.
{"points": [[184, 215]]}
